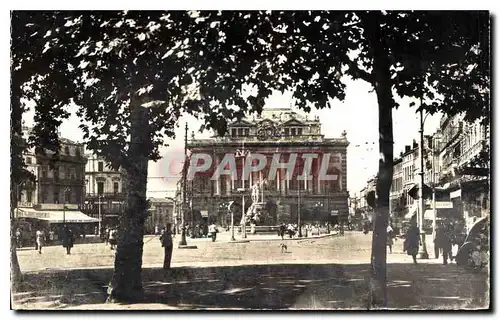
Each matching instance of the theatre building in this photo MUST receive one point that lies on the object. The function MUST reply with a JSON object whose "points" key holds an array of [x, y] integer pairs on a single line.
{"points": [[283, 134]]}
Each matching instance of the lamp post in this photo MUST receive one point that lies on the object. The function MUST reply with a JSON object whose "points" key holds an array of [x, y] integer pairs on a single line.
{"points": [[229, 207], [298, 214], [243, 216], [422, 254], [100, 215], [183, 241], [242, 154], [64, 205]]}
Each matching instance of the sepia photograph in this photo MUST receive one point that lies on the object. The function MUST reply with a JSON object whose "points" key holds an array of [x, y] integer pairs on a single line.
{"points": [[250, 160]]}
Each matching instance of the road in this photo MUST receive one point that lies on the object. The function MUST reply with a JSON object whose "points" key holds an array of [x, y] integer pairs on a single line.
{"points": [[330, 272], [353, 247]]}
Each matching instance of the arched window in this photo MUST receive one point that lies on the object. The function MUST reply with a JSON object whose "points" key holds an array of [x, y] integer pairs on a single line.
{"points": [[66, 150]]}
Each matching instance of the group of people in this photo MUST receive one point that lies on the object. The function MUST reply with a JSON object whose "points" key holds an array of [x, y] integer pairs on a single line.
{"points": [[443, 241], [111, 237], [292, 229], [42, 237]]}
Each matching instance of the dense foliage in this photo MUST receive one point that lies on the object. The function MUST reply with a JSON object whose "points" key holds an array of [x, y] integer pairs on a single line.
{"points": [[218, 65]]}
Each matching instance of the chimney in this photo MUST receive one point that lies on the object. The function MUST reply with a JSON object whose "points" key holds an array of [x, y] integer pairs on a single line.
{"points": [[415, 144], [407, 148]]}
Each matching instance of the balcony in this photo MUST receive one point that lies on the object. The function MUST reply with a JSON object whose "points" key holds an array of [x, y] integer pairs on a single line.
{"points": [[106, 195], [64, 157], [61, 181]]}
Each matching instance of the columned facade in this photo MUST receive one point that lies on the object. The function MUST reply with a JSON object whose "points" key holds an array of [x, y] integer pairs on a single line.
{"points": [[278, 135]]}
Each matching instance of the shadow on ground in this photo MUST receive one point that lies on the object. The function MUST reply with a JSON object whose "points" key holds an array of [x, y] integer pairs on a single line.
{"points": [[316, 286]]}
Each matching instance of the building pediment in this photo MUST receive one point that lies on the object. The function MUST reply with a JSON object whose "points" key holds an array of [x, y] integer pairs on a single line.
{"points": [[240, 123], [294, 122]]}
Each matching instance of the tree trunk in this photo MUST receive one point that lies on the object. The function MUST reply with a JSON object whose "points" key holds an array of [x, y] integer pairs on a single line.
{"points": [[16, 276], [381, 65], [16, 149], [126, 283]]}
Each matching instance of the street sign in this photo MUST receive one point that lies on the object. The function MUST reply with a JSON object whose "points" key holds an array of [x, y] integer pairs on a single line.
{"points": [[334, 212], [443, 205], [204, 213]]}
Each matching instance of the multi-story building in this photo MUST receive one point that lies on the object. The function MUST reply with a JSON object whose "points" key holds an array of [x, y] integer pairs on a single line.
{"points": [[104, 190], [456, 170], [161, 212], [464, 167], [397, 193], [57, 194], [278, 133]]}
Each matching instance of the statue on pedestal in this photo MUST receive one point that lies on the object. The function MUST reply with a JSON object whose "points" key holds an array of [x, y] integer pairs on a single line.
{"points": [[255, 193]]}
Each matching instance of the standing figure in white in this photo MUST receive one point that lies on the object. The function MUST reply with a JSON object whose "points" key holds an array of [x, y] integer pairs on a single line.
{"points": [[255, 193]]}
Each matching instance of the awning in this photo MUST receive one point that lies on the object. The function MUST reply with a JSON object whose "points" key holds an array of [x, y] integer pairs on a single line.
{"points": [[68, 216]]}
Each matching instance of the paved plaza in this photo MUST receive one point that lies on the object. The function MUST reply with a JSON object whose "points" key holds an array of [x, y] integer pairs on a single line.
{"points": [[316, 273]]}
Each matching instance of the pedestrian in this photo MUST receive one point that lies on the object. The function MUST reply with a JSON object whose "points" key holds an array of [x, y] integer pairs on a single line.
{"points": [[19, 238], [282, 231], [51, 236], [205, 230], [168, 245], [390, 237], [412, 241], [113, 239], [40, 237], [443, 242], [68, 239], [213, 231], [436, 247], [106, 236]]}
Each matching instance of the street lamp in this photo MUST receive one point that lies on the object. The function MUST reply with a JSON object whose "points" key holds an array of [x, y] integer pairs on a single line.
{"points": [[298, 214], [243, 217], [229, 207], [100, 215], [183, 241], [422, 254], [66, 190]]}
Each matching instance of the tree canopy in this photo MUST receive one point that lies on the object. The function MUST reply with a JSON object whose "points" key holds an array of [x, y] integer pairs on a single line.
{"points": [[218, 65]]}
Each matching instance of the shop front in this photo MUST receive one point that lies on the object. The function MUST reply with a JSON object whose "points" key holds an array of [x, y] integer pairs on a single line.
{"points": [[53, 222]]}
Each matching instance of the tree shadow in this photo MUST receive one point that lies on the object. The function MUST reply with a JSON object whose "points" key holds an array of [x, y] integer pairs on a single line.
{"points": [[282, 286]]}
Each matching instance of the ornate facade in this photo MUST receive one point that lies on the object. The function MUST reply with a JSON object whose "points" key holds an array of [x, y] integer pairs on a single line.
{"points": [[63, 182], [278, 133]]}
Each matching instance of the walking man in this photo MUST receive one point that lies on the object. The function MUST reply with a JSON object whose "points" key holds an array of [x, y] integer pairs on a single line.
{"points": [[106, 236], [19, 238], [167, 244], [113, 239], [443, 242], [213, 231], [282, 231], [389, 238], [68, 239], [412, 241]]}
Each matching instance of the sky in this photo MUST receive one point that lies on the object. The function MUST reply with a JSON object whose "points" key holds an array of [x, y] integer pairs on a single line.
{"points": [[357, 115]]}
